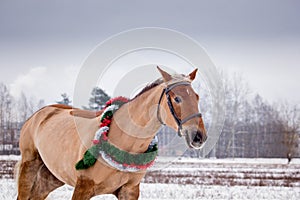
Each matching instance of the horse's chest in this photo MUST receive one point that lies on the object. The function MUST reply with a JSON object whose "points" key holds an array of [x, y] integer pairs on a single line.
{"points": [[114, 181]]}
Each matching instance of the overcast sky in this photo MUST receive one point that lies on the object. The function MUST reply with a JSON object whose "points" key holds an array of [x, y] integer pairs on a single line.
{"points": [[43, 44]]}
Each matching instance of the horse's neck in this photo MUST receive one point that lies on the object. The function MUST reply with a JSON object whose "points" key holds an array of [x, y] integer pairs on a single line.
{"points": [[136, 123]]}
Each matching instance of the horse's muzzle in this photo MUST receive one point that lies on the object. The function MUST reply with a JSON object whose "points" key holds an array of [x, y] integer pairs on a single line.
{"points": [[195, 139]]}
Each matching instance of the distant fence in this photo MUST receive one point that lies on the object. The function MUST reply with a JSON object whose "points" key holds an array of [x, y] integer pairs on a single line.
{"points": [[244, 143], [9, 141], [225, 172]]}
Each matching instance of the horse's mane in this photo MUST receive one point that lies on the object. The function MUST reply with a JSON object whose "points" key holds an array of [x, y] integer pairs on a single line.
{"points": [[175, 77], [149, 87]]}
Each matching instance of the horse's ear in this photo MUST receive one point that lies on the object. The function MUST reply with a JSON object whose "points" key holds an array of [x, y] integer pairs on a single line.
{"points": [[167, 77], [192, 75]]}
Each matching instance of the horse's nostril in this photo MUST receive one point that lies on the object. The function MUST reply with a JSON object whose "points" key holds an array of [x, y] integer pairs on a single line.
{"points": [[199, 137]]}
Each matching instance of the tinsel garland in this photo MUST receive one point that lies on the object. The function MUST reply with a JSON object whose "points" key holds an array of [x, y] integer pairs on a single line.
{"points": [[114, 156]]}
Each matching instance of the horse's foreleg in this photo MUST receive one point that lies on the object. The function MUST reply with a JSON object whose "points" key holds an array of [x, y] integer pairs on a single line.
{"points": [[45, 183], [128, 192], [84, 189]]}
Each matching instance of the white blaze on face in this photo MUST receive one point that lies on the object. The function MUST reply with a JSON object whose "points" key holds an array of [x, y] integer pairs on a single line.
{"points": [[188, 92]]}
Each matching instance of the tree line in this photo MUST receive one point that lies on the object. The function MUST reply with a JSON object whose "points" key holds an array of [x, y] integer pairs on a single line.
{"points": [[13, 113], [253, 127]]}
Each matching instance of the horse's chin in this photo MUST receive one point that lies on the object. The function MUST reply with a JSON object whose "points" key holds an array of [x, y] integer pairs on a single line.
{"points": [[196, 145]]}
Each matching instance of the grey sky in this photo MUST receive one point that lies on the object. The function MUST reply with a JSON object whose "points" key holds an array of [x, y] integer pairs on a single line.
{"points": [[261, 39]]}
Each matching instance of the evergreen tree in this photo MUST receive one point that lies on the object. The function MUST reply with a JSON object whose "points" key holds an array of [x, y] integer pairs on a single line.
{"points": [[98, 99], [65, 99]]}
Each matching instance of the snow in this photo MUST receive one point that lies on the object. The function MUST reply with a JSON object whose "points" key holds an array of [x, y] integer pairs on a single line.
{"points": [[10, 157], [228, 160], [189, 178], [161, 159], [175, 191]]}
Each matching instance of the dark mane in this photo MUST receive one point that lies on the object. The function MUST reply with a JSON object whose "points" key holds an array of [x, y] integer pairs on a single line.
{"points": [[149, 87]]}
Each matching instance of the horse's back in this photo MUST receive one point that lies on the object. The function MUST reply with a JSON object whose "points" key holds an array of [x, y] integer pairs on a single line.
{"points": [[54, 116]]}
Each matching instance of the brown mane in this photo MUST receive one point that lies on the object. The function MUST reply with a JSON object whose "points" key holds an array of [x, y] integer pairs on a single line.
{"points": [[149, 87], [63, 106], [158, 82]]}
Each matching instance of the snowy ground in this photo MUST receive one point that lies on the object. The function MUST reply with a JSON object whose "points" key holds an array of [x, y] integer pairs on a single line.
{"points": [[197, 179], [174, 191]]}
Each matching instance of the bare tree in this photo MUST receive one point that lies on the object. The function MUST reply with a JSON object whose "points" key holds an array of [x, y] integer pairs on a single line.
{"points": [[23, 107], [290, 118], [12, 114], [237, 92], [6, 115], [26, 107]]}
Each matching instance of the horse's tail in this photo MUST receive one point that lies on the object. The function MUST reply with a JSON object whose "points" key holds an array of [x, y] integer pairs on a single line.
{"points": [[17, 171]]}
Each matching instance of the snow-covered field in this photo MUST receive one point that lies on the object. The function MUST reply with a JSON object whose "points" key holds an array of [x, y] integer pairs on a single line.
{"points": [[175, 191], [197, 179]]}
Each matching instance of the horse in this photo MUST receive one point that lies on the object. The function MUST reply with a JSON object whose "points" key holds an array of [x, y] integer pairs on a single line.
{"points": [[54, 138]]}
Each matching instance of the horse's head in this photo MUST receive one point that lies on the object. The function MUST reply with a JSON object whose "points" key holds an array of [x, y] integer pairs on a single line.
{"points": [[180, 102]]}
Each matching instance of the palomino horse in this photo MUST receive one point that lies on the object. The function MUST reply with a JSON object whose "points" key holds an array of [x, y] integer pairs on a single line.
{"points": [[51, 143]]}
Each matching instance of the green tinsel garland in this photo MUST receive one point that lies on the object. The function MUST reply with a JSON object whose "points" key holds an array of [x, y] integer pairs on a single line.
{"points": [[89, 158], [118, 155], [125, 157]]}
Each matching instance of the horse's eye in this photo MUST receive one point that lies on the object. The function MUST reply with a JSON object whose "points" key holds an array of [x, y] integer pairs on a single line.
{"points": [[177, 99]]}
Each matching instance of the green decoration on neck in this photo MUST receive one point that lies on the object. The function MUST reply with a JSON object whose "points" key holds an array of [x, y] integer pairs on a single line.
{"points": [[117, 156]]}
